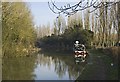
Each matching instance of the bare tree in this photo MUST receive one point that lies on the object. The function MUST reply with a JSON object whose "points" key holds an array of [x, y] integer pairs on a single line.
{"points": [[87, 20], [118, 19], [107, 22], [81, 5]]}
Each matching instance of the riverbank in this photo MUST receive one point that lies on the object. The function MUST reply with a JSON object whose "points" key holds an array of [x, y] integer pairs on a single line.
{"points": [[112, 52], [101, 66], [22, 52]]}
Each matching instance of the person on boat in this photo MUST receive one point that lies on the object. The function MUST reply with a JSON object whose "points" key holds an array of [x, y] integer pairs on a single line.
{"points": [[78, 47]]}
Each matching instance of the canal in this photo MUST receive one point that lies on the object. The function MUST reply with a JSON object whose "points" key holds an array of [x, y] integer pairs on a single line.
{"points": [[59, 66]]}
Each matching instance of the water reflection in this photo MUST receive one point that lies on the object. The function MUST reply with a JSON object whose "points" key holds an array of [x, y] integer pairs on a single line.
{"points": [[18, 68], [56, 67], [42, 66]]}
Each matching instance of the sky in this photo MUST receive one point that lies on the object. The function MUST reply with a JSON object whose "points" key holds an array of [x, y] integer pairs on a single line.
{"points": [[41, 12], [39, 0], [42, 15]]}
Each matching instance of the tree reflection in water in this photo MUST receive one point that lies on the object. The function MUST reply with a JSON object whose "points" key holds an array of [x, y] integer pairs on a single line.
{"points": [[41, 67], [62, 65], [20, 68]]}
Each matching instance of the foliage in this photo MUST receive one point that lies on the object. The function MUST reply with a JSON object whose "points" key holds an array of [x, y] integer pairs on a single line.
{"points": [[81, 27], [17, 28], [66, 40]]}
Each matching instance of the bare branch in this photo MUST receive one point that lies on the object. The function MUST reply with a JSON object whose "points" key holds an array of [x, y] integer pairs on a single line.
{"points": [[70, 10]]}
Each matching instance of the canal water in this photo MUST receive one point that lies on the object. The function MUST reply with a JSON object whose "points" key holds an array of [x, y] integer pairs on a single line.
{"points": [[42, 66]]}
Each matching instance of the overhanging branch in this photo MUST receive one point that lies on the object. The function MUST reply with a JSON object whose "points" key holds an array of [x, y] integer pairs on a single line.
{"points": [[81, 5]]}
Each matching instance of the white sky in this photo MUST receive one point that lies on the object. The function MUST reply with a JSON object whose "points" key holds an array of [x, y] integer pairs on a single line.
{"points": [[40, 0], [41, 13], [55, 0]]}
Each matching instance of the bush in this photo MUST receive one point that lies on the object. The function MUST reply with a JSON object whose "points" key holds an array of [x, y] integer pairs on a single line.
{"points": [[66, 40]]}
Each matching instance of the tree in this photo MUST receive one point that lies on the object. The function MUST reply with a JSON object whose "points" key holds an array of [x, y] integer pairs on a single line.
{"points": [[55, 28], [118, 19], [66, 40], [17, 30], [86, 20], [81, 5], [107, 30], [60, 25], [75, 21]]}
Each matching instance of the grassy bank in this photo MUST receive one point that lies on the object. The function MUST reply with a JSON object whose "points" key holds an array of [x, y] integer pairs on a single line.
{"points": [[101, 66], [111, 52]]}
